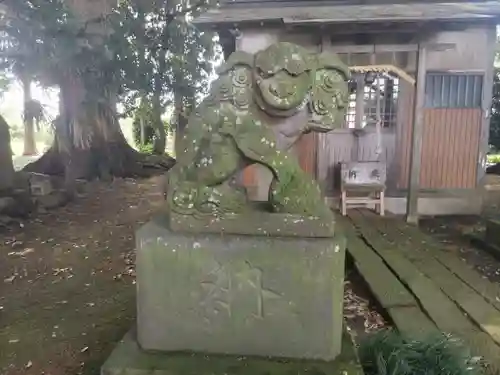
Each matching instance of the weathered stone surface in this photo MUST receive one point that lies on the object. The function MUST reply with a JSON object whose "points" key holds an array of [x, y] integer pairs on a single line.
{"points": [[129, 359], [493, 232], [7, 204], [255, 223], [40, 184], [52, 200], [248, 295]]}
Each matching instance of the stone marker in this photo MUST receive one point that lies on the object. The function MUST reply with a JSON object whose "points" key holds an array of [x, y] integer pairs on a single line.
{"points": [[218, 274], [253, 295]]}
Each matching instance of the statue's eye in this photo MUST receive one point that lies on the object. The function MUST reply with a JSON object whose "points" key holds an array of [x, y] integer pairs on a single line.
{"points": [[295, 67]]}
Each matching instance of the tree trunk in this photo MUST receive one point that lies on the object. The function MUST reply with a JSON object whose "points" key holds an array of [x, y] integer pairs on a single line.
{"points": [[160, 141], [143, 130], [89, 142], [29, 120], [180, 122], [6, 166]]}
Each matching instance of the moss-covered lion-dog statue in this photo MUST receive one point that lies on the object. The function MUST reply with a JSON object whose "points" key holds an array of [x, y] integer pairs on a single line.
{"points": [[234, 128]]}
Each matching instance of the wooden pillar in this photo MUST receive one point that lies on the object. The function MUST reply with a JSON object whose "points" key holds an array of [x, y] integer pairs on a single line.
{"points": [[360, 112], [416, 140], [487, 97]]}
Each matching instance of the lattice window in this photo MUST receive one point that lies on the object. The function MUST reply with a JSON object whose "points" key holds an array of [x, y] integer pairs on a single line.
{"points": [[448, 90], [389, 94]]}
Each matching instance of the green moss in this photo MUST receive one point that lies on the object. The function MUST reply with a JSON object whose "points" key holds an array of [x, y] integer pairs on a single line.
{"points": [[295, 192], [231, 129]]}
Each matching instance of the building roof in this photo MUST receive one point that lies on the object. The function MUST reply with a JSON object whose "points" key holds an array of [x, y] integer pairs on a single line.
{"points": [[342, 13]]}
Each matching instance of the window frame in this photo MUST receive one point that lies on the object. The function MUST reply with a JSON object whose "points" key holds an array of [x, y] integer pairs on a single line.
{"points": [[466, 100]]}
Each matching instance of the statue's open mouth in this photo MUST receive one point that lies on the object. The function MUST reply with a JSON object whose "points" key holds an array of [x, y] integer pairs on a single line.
{"points": [[279, 98]]}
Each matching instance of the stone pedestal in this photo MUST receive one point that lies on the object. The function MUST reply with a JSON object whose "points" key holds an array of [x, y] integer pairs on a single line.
{"points": [[239, 294], [129, 359]]}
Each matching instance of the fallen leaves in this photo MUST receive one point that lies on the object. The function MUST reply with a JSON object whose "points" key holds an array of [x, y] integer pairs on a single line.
{"points": [[59, 270], [22, 253], [356, 307], [65, 272], [10, 279], [129, 270]]}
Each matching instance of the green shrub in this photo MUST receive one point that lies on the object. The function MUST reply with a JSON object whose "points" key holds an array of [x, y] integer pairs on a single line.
{"points": [[146, 149], [387, 353], [494, 158]]}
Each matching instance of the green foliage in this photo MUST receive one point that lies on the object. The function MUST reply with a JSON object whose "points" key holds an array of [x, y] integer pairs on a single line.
{"points": [[46, 41], [494, 158], [146, 149], [133, 51], [387, 353], [160, 56]]}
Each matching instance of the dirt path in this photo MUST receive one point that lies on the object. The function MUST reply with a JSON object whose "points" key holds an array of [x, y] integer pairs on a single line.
{"points": [[67, 285]]}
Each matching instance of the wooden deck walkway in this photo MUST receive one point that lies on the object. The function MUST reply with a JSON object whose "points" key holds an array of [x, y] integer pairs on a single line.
{"points": [[425, 289]]}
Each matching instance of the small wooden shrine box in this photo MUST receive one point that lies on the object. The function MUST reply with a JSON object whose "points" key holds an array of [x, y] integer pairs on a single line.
{"points": [[363, 185]]}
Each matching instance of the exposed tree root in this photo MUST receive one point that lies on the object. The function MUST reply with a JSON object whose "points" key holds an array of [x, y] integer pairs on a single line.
{"points": [[101, 163]]}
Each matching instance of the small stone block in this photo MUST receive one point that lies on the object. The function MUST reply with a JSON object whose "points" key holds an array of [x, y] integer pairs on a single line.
{"points": [[129, 359], [492, 235], [242, 295]]}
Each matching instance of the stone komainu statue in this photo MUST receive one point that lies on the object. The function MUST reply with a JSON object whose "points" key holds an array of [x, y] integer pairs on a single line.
{"points": [[257, 109]]}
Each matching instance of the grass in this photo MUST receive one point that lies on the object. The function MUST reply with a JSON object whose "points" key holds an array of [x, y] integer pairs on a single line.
{"points": [[493, 158], [387, 353]]}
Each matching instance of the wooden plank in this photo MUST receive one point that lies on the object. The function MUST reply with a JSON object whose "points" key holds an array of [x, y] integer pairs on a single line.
{"points": [[401, 306], [478, 309], [381, 48], [415, 241], [353, 13], [450, 144], [416, 141], [443, 311]]}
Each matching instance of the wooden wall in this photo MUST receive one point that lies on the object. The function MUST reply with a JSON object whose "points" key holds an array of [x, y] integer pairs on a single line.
{"points": [[307, 151], [450, 149]]}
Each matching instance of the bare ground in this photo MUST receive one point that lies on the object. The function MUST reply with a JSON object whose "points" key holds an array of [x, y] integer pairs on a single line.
{"points": [[67, 292], [67, 287], [454, 234]]}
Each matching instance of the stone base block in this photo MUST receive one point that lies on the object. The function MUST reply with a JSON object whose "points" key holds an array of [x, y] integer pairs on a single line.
{"points": [[129, 359], [493, 232], [242, 295]]}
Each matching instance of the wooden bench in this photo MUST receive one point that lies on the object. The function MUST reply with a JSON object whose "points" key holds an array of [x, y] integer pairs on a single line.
{"points": [[363, 185]]}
